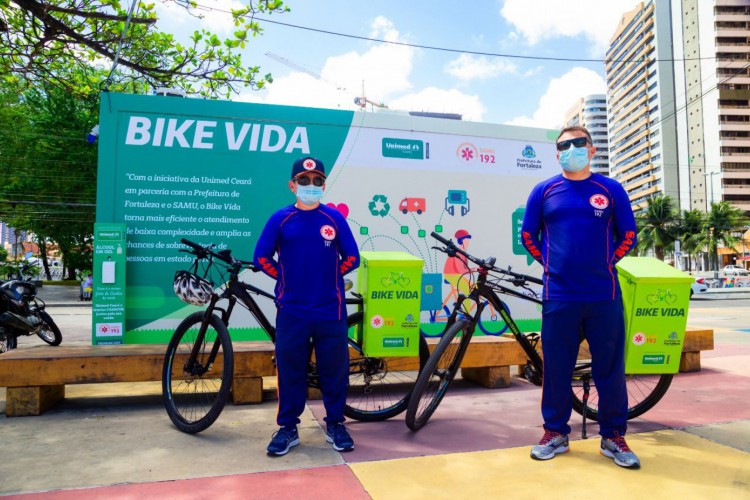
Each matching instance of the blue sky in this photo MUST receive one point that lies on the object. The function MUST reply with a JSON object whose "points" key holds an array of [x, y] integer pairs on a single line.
{"points": [[482, 88]]}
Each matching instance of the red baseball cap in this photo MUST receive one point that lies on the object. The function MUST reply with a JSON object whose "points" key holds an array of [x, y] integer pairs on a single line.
{"points": [[461, 234]]}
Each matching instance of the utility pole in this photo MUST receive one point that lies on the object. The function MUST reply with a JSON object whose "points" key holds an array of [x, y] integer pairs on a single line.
{"points": [[710, 183]]}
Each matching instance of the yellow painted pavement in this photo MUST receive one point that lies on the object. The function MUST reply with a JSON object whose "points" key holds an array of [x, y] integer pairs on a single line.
{"points": [[675, 465]]}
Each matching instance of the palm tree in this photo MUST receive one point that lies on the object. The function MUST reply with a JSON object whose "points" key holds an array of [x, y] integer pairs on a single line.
{"points": [[720, 223], [656, 226], [690, 226]]}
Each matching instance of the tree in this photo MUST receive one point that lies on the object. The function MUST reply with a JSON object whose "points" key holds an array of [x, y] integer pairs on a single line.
{"points": [[721, 221], [656, 226], [41, 38], [48, 170], [689, 229]]}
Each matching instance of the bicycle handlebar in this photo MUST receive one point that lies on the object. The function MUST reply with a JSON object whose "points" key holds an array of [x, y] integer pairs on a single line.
{"points": [[202, 252], [488, 264]]}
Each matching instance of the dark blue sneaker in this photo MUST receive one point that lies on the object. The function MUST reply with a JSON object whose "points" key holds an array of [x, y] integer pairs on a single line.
{"points": [[283, 440], [339, 437]]}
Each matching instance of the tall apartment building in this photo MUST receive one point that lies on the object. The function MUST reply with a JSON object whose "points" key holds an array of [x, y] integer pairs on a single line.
{"points": [[643, 153], [591, 112], [712, 48]]}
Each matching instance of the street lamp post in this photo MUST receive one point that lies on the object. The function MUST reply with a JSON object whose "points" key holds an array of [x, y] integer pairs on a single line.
{"points": [[709, 181]]}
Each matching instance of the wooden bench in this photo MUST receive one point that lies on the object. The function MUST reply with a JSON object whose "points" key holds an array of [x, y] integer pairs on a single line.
{"points": [[696, 340], [486, 362], [36, 376]]}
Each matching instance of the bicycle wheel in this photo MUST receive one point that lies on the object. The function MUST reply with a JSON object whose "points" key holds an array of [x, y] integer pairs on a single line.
{"points": [[379, 388], [490, 321], [8, 341], [48, 331], [644, 391], [438, 373], [195, 390]]}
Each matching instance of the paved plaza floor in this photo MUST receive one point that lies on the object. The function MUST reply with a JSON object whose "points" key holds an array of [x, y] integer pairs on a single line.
{"points": [[115, 441]]}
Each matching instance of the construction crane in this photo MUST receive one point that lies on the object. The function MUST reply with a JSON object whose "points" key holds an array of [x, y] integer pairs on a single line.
{"points": [[362, 102]]}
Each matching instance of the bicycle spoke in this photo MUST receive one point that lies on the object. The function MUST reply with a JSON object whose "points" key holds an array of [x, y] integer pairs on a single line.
{"points": [[195, 385], [379, 388], [643, 391]]}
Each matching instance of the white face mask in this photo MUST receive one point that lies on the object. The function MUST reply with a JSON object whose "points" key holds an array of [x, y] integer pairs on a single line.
{"points": [[574, 159], [309, 195]]}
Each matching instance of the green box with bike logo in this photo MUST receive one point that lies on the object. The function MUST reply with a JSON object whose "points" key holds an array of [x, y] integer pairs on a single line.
{"points": [[655, 297], [390, 283]]}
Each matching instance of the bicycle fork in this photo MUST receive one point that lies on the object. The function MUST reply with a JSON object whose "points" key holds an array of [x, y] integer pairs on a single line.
{"points": [[192, 365]]}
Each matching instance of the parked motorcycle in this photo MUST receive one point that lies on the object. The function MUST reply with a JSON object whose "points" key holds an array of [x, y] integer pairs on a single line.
{"points": [[22, 313]]}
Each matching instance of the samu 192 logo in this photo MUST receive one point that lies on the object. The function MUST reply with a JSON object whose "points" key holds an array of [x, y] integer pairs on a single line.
{"points": [[468, 152]]}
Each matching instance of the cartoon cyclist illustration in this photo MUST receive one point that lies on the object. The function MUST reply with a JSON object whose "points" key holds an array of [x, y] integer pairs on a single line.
{"points": [[457, 266]]}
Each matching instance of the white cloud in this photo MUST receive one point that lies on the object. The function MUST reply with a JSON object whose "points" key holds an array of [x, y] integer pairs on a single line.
{"points": [[301, 89], [561, 94], [468, 67], [442, 101], [538, 20], [383, 70]]}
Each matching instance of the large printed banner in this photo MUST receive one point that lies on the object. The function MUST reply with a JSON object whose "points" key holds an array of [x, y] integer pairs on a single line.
{"points": [[213, 172]]}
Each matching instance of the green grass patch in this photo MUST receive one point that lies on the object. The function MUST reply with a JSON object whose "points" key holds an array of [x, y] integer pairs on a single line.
{"points": [[61, 283]]}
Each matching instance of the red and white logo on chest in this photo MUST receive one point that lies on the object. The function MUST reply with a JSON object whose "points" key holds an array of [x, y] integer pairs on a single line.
{"points": [[328, 232], [599, 201]]}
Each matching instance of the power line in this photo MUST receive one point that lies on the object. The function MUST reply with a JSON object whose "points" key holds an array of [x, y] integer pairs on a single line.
{"points": [[65, 202], [700, 97], [432, 47]]}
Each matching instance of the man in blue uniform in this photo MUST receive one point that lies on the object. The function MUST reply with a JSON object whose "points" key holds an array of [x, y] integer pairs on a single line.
{"points": [[577, 225], [308, 248]]}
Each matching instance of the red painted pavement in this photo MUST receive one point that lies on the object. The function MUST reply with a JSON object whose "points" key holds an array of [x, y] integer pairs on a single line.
{"points": [[706, 397], [324, 483]]}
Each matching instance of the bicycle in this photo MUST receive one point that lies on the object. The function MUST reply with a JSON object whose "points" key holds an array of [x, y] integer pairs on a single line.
{"points": [[644, 391], [198, 364], [488, 323]]}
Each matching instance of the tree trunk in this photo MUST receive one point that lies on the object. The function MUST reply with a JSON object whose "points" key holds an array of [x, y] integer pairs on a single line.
{"points": [[43, 253]]}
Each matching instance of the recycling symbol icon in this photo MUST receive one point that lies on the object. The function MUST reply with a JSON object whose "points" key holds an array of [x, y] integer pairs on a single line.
{"points": [[379, 205]]}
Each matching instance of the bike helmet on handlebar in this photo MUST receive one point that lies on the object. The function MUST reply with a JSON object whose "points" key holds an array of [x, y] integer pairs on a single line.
{"points": [[192, 289]]}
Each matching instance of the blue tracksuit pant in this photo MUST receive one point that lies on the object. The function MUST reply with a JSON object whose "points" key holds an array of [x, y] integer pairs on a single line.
{"points": [[603, 325], [329, 338]]}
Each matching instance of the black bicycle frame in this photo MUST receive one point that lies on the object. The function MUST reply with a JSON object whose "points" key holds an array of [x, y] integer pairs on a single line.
{"points": [[488, 292], [238, 290]]}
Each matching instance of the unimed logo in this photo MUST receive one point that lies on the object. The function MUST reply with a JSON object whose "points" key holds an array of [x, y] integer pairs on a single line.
{"points": [[393, 342], [403, 148], [110, 235], [653, 359]]}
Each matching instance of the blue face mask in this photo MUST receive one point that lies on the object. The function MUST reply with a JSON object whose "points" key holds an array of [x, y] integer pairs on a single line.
{"points": [[309, 195], [574, 159]]}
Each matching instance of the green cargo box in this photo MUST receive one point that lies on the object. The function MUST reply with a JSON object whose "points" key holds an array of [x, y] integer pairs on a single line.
{"points": [[390, 283], [655, 297]]}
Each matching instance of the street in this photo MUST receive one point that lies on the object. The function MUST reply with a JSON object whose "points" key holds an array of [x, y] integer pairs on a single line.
{"points": [[726, 317]]}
